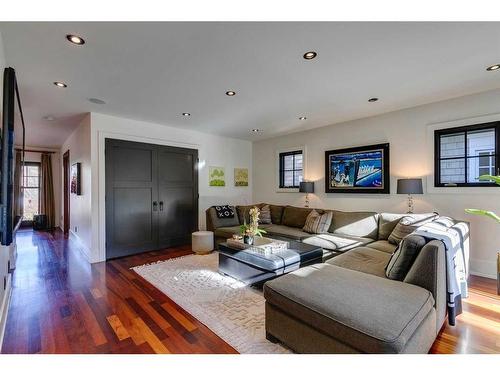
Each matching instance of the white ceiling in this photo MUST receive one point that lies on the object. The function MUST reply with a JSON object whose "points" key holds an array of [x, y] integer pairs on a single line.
{"points": [[155, 71]]}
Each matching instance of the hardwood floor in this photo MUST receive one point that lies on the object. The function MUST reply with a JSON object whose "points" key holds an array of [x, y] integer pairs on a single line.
{"points": [[61, 304]]}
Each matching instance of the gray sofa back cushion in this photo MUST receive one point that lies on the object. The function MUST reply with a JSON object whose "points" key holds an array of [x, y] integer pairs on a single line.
{"points": [[388, 221], [276, 213], [403, 258], [226, 222], [244, 212], [296, 216], [359, 224]]}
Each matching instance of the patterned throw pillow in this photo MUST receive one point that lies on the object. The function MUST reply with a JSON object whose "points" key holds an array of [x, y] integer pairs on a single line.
{"points": [[317, 223], [265, 215], [402, 229], [224, 212]]}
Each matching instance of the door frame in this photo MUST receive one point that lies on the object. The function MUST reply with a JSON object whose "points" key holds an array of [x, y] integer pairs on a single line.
{"points": [[98, 254], [66, 196]]}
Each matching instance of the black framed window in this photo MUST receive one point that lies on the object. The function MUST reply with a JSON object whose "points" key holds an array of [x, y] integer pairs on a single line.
{"points": [[291, 169], [463, 154], [31, 190]]}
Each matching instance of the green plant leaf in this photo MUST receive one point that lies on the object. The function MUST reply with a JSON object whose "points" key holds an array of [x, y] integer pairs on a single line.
{"points": [[486, 213], [487, 177]]}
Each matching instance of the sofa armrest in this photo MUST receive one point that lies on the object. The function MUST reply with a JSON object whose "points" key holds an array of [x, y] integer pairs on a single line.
{"points": [[429, 272]]}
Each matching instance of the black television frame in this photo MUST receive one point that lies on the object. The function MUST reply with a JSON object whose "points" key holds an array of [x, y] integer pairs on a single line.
{"points": [[10, 96]]}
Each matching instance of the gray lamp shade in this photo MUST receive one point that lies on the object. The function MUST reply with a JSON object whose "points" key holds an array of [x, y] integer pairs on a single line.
{"points": [[306, 187], [410, 186]]}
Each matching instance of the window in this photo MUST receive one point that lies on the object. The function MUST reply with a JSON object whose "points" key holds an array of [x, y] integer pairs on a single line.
{"points": [[290, 169], [31, 190], [463, 154]]}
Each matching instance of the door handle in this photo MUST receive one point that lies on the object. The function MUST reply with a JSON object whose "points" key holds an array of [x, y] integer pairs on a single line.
{"points": [[155, 206], [161, 205]]}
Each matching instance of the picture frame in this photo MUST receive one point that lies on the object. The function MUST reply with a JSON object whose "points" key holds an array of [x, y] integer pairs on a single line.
{"points": [[240, 177], [362, 170], [75, 179], [216, 176]]}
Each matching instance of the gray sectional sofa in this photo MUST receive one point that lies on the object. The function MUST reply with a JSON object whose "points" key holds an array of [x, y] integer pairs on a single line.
{"points": [[348, 304]]}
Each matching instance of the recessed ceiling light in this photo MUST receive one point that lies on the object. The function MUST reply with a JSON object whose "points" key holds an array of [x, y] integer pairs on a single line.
{"points": [[310, 55], [186, 114], [230, 93], [493, 67], [371, 100], [60, 84], [48, 118], [75, 39], [302, 118], [256, 130], [96, 101]]}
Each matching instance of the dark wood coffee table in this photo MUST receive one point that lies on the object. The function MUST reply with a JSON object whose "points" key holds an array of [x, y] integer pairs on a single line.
{"points": [[253, 266]]}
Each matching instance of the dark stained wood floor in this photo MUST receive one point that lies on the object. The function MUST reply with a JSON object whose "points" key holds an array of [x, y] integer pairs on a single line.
{"points": [[61, 304]]}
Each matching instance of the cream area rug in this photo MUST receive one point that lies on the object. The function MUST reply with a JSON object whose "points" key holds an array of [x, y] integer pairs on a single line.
{"points": [[232, 310]]}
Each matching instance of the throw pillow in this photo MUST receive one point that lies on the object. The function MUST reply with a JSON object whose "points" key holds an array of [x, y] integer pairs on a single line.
{"points": [[265, 215], [403, 258], [403, 228], [224, 212], [318, 223]]}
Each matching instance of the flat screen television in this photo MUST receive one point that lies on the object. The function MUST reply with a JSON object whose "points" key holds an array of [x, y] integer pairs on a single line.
{"points": [[12, 134]]}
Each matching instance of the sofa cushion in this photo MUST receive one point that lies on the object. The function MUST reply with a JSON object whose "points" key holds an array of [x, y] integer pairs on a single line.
{"points": [[295, 216], [384, 246], [265, 214], [284, 231], [402, 260], [318, 223], [351, 308], [218, 223], [363, 259], [227, 232], [358, 224], [387, 222], [244, 212], [403, 228], [224, 212], [276, 213], [337, 242]]}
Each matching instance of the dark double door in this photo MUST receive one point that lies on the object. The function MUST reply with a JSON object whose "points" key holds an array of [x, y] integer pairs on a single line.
{"points": [[151, 197]]}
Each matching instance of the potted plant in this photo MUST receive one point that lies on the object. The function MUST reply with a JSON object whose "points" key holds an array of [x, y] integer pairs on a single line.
{"points": [[249, 231], [491, 215]]}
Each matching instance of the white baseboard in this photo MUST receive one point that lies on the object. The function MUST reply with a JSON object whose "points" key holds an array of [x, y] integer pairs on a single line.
{"points": [[4, 308], [81, 246], [483, 268]]}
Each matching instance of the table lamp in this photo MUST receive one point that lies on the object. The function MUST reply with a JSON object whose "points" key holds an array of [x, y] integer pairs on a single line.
{"points": [[410, 186], [306, 187]]}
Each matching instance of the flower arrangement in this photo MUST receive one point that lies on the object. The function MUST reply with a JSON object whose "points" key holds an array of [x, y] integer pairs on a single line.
{"points": [[252, 229], [486, 213]]}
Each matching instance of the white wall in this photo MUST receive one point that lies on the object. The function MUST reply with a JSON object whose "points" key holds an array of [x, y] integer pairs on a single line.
{"points": [[410, 133], [78, 145], [86, 145]]}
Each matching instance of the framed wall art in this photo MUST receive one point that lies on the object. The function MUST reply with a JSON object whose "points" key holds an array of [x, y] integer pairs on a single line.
{"points": [[358, 170]]}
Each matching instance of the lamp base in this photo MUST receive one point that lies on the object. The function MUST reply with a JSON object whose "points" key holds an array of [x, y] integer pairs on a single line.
{"points": [[410, 204]]}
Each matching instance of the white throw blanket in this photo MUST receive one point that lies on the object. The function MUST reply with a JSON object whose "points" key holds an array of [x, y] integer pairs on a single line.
{"points": [[454, 238]]}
